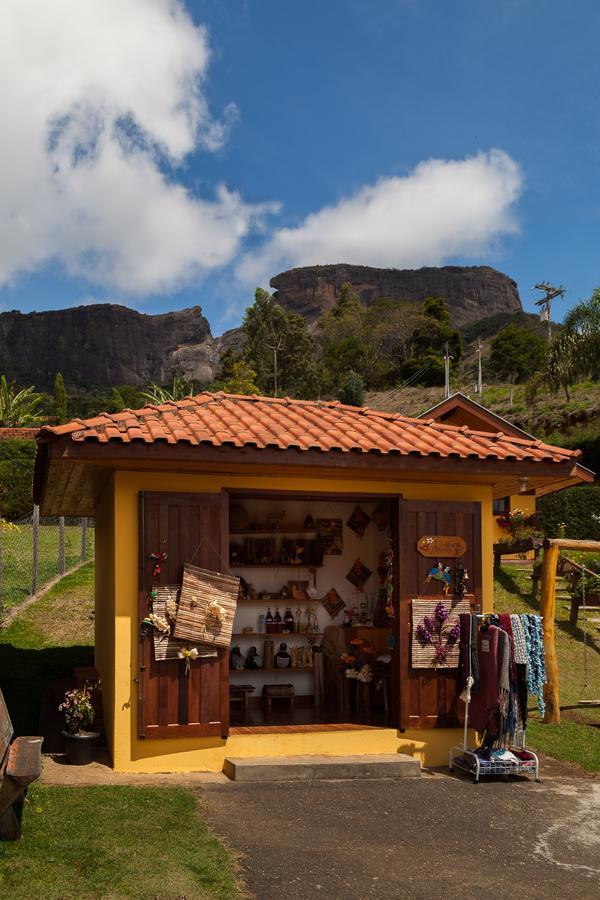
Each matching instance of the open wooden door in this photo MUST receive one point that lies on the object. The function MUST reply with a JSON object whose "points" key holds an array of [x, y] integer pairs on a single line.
{"points": [[427, 697], [188, 527]]}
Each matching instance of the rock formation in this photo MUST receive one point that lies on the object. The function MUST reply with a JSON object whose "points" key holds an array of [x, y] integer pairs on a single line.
{"points": [[471, 292], [106, 344]]}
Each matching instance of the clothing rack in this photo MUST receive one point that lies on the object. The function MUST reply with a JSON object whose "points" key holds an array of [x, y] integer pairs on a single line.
{"points": [[459, 755]]}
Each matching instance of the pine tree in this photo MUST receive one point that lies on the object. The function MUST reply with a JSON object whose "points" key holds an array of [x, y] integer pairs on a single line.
{"points": [[352, 389], [60, 399]]}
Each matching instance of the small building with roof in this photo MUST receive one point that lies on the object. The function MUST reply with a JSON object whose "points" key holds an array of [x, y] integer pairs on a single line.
{"points": [[332, 517]]}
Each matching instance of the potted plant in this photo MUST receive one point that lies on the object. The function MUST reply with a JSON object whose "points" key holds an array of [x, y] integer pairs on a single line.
{"points": [[80, 739]]}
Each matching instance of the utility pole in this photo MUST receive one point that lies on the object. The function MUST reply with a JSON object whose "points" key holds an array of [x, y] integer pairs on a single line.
{"points": [[479, 375], [276, 347], [447, 359], [545, 303]]}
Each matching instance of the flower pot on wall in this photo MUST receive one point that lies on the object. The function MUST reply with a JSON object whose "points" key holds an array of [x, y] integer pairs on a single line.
{"points": [[79, 748]]}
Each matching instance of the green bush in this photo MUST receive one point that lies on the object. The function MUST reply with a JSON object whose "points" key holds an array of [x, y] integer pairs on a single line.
{"points": [[578, 508], [16, 478]]}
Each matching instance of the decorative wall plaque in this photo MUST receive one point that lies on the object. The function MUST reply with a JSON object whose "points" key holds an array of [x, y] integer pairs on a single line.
{"points": [[441, 545]]}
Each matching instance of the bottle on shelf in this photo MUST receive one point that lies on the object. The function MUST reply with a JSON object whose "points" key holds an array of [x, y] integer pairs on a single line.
{"points": [[269, 617], [277, 617], [288, 620], [262, 622]]}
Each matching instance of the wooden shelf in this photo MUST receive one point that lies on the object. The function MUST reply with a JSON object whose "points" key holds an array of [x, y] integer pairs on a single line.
{"points": [[283, 601], [273, 531], [274, 565], [277, 634], [272, 669]]}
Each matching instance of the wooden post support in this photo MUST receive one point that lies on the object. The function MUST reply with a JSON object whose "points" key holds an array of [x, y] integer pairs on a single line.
{"points": [[548, 611], [35, 537], [84, 523], [61, 545], [1, 561]]}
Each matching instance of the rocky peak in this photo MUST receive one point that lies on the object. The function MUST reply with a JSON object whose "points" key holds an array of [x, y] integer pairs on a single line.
{"points": [[471, 292]]}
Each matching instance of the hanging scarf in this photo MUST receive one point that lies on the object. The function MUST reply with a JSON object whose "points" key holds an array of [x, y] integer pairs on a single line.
{"points": [[519, 645], [536, 665]]}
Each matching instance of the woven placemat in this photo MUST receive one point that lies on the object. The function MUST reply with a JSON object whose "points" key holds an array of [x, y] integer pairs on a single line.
{"points": [[199, 588], [165, 645], [423, 655]]}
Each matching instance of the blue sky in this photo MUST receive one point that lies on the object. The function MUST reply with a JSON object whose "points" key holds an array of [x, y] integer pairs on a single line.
{"points": [[320, 120]]}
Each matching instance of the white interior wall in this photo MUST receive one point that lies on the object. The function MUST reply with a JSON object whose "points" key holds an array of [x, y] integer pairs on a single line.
{"points": [[332, 574]]}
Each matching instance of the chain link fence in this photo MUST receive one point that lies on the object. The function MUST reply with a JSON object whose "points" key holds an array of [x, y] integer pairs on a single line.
{"points": [[33, 550]]}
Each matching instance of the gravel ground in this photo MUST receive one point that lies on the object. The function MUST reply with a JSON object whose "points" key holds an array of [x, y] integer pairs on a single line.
{"points": [[437, 836]]}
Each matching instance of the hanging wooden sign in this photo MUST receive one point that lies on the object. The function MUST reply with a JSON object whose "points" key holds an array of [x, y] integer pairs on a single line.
{"points": [[441, 545]]}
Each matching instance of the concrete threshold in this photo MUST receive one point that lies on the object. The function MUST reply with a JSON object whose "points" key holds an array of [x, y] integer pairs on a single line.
{"points": [[314, 768]]}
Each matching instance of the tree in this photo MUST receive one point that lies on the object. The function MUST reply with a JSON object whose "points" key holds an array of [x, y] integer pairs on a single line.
{"points": [[278, 347], [342, 337], [18, 408], [241, 379], [575, 353], [352, 389], [431, 335], [517, 353], [60, 399]]}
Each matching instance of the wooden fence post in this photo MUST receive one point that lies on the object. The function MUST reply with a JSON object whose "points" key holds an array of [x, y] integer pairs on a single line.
{"points": [[1, 561], [548, 611], [61, 545], [84, 523], [35, 536]]}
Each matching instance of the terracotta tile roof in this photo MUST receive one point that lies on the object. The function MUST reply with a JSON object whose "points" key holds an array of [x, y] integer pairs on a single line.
{"points": [[228, 419], [18, 434]]}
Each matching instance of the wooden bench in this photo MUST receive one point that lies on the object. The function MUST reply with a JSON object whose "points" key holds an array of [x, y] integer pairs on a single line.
{"points": [[278, 692], [240, 693], [20, 765]]}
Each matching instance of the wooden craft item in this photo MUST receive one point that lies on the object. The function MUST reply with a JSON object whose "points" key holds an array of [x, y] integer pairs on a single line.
{"points": [[332, 602], [331, 536], [165, 645], [200, 588], [359, 574], [358, 521], [441, 545], [423, 655], [268, 654]]}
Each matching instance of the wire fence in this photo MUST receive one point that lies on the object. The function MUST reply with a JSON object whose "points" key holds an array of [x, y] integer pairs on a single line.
{"points": [[33, 550]]}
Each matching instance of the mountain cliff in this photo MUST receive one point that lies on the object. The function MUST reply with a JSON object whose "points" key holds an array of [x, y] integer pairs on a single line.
{"points": [[105, 344], [471, 292]]}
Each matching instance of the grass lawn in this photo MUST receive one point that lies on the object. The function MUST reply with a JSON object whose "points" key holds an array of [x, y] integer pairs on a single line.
{"points": [[114, 842], [17, 552], [577, 738], [94, 842], [45, 643]]}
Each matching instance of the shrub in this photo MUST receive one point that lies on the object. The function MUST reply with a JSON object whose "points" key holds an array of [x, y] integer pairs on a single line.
{"points": [[16, 478], [577, 508], [352, 389]]}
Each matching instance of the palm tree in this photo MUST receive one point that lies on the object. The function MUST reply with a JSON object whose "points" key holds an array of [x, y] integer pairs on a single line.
{"points": [[156, 394], [18, 408]]}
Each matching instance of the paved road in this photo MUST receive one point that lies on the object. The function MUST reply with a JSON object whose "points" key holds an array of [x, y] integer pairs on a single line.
{"points": [[437, 836]]}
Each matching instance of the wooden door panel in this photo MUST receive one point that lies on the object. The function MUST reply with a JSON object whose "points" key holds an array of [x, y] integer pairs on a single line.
{"points": [[190, 528], [428, 696]]}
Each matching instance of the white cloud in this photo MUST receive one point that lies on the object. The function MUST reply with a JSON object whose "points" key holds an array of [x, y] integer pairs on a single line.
{"points": [[440, 210], [101, 100]]}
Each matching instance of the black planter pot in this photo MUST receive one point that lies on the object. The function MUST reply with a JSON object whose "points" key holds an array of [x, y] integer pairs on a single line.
{"points": [[79, 748]]}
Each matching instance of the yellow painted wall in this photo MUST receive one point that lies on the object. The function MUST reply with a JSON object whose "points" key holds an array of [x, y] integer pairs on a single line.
{"points": [[104, 619], [526, 502], [188, 754]]}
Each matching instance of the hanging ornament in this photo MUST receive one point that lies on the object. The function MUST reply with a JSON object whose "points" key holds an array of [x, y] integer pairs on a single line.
{"points": [[158, 559]]}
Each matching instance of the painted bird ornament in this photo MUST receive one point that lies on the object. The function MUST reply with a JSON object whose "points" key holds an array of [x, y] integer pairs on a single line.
{"points": [[440, 573]]}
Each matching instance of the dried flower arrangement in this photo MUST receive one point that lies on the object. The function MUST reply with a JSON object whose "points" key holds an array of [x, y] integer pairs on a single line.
{"points": [[439, 632]]}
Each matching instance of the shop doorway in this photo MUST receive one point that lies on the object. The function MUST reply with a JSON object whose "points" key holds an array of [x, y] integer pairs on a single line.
{"points": [[316, 630]]}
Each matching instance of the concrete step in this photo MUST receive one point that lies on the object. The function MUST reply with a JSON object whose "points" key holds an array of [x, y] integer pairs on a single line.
{"points": [[314, 768]]}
